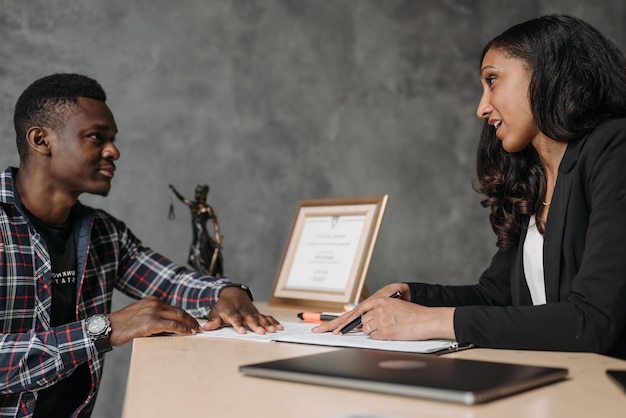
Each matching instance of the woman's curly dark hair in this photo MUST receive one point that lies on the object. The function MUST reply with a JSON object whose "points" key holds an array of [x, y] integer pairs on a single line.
{"points": [[578, 81]]}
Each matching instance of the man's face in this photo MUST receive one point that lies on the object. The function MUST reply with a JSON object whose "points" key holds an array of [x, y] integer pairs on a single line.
{"points": [[83, 152]]}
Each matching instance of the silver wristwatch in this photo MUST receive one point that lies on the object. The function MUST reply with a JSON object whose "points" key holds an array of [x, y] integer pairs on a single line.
{"points": [[98, 328]]}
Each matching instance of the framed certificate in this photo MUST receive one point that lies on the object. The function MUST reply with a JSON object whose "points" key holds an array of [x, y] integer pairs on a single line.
{"points": [[328, 253]]}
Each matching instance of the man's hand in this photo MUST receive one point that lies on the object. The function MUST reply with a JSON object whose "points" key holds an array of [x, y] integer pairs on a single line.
{"points": [[147, 317], [235, 308]]}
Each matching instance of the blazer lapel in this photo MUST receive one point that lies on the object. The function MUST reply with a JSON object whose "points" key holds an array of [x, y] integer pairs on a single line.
{"points": [[555, 226], [519, 287]]}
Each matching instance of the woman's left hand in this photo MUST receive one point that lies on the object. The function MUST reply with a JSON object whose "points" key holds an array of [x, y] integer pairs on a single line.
{"points": [[385, 318], [392, 319]]}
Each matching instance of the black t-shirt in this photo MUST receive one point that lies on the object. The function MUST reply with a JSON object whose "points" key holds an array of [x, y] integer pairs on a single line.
{"points": [[62, 398]]}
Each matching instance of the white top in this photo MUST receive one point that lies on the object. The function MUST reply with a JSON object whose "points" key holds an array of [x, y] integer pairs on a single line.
{"points": [[533, 263]]}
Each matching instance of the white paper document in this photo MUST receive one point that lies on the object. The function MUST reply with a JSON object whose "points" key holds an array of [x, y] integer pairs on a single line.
{"points": [[300, 332]]}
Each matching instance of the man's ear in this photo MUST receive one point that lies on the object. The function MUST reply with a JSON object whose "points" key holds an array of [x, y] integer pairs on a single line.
{"points": [[37, 138]]}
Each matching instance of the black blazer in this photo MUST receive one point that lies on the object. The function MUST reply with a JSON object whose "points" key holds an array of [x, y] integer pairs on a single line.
{"points": [[584, 264]]}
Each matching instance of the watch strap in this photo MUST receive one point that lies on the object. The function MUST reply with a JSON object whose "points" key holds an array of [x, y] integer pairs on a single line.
{"points": [[241, 286], [103, 344]]}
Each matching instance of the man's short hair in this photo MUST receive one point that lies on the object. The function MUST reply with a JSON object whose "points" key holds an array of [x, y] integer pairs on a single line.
{"points": [[49, 101]]}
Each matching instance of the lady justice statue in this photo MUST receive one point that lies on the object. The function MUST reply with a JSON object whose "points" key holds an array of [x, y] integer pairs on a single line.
{"points": [[205, 253]]}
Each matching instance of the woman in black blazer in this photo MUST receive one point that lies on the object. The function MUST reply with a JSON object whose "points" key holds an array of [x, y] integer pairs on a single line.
{"points": [[552, 166]]}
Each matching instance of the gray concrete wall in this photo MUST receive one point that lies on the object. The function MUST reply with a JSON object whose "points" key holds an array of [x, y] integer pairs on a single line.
{"points": [[271, 102]]}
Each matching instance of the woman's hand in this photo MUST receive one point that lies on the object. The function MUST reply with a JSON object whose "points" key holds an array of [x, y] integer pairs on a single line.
{"points": [[392, 319], [385, 318], [337, 324]]}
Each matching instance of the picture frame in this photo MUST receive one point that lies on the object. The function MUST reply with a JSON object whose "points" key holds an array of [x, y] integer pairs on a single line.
{"points": [[328, 253]]}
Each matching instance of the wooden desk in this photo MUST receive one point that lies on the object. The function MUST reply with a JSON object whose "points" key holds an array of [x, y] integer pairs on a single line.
{"points": [[199, 377]]}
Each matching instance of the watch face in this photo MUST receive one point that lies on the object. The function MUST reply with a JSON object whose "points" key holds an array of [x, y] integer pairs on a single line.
{"points": [[96, 325]]}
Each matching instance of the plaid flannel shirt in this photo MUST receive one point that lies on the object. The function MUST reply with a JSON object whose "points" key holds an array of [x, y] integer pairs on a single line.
{"points": [[34, 355]]}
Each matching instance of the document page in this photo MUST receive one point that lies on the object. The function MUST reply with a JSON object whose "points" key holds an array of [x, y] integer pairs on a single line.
{"points": [[300, 332], [291, 328]]}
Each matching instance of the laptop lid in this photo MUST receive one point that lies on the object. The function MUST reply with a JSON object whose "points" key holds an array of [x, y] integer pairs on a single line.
{"points": [[618, 376], [409, 374]]}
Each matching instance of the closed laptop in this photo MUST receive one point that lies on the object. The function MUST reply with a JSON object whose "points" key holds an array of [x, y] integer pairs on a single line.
{"points": [[409, 374]]}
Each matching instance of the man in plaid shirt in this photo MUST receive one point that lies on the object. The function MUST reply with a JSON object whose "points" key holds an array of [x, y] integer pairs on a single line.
{"points": [[61, 260]]}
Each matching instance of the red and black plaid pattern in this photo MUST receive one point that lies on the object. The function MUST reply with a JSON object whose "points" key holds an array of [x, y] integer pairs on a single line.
{"points": [[34, 355]]}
